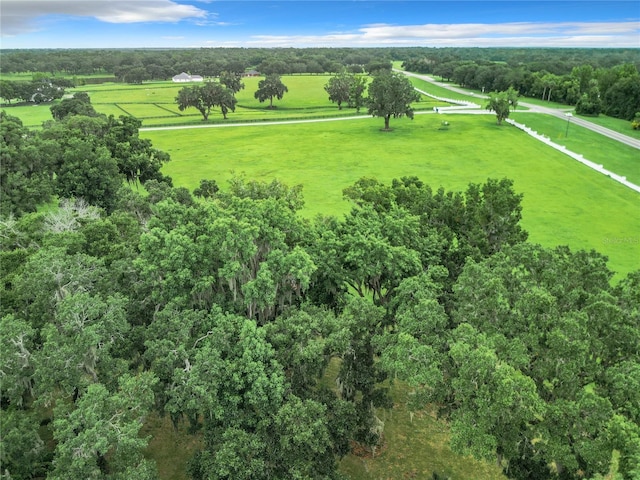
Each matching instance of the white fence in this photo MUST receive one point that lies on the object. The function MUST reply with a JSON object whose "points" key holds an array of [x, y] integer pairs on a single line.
{"points": [[575, 156], [449, 100]]}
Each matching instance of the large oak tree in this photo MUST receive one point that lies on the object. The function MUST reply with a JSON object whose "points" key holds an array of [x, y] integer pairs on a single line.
{"points": [[391, 95]]}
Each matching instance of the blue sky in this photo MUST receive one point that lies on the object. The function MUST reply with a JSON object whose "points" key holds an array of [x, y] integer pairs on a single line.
{"points": [[305, 23]]}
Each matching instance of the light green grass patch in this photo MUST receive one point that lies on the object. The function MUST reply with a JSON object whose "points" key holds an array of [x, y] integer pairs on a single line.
{"points": [[443, 92], [31, 115], [303, 91], [110, 109], [416, 449], [545, 103], [412, 447], [144, 110], [170, 448], [133, 94], [565, 203], [613, 155]]}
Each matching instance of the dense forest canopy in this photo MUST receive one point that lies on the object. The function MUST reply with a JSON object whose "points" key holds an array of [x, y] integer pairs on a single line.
{"points": [[222, 309], [163, 63]]}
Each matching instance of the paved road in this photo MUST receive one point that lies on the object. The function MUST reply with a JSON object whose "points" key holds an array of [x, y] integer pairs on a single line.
{"points": [[627, 140], [254, 124]]}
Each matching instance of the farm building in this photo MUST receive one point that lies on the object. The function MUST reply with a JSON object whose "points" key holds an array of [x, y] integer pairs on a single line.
{"points": [[185, 77]]}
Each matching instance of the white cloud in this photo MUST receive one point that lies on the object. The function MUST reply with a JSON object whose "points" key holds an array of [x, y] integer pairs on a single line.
{"points": [[560, 34], [21, 16]]}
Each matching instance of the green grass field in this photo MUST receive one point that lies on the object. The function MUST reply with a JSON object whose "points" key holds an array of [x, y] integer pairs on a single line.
{"points": [[444, 92], [565, 203], [412, 447], [154, 103]]}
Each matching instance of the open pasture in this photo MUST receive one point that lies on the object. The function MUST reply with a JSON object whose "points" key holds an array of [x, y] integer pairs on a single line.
{"points": [[30, 115], [305, 98], [154, 103], [443, 92], [145, 93], [565, 203], [144, 110]]}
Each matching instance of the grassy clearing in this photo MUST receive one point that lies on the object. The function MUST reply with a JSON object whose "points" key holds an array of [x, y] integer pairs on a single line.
{"points": [[171, 449], [443, 92], [144, 110], [564, 202], [615, 156], [412, 447], [31, 115], [145, 93], [545, 103]]}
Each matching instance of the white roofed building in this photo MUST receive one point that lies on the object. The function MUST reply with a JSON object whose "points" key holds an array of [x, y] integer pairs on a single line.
{"points": [[185, 77]]}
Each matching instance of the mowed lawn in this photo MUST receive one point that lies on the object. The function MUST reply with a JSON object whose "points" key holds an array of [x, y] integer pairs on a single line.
{"points": [[565, 203]]}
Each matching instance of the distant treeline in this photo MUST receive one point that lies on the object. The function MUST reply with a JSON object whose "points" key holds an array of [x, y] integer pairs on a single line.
{"points": [[163, 63], [592, 87]]}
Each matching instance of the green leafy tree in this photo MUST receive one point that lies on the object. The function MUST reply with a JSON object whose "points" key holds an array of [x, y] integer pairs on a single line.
{"points": [[360, 377], [98, 436], [550, 316], [7, 90], [499, 103], [339, 88], [17, 369], [412, 349], [135, 75], [136, 158], [79, 104], [590, 102], [205, 97], [391, 95], [377, 67], [269, 88], [233, 382], [77, 349], [23, 454], [512, 97], [26, 177], [256, 190], [207, 189], [232, 80], [50, 274], [238, 252], [305, 340], [88, 172], [356, 92]]}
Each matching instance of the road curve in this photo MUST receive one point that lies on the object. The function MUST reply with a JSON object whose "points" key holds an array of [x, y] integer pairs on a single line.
{"points": [[607, 132]]}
